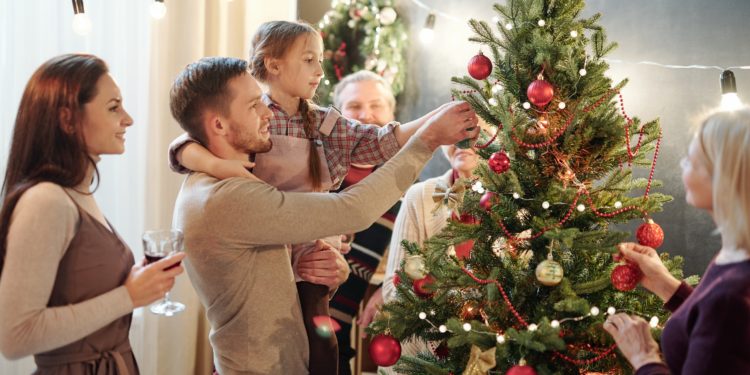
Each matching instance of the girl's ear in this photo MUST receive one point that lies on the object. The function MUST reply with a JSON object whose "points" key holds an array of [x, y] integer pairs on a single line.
{"points": [[272, 65], [66, 120]]}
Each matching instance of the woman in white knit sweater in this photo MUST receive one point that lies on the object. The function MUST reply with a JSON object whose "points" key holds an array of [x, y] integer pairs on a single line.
{"points": [[417, 220]]}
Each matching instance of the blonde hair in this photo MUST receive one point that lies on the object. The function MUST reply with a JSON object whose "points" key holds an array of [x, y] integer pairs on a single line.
{"points": [[725, 141], [272, 40], [362, 76]]}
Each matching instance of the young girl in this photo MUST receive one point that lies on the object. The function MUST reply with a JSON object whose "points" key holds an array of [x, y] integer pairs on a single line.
{"points": [[312, 150], [709, 330]]}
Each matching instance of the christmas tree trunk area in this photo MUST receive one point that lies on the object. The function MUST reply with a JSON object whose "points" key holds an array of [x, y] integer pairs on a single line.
{"points": [[523, 277]]}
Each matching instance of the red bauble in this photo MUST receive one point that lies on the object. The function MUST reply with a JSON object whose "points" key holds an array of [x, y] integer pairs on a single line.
{"points": [[463, 250], [650, 234], [626, 277], [499, 162], [396, 280], [465, 218], [420, 286], [385, 350], [488, 200], [521, 370], [480, 66], [442, 351], [540, 92]]}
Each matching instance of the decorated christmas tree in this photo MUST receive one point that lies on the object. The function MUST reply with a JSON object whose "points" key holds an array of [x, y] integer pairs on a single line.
{"points": [[521, 280], [362, 34]]}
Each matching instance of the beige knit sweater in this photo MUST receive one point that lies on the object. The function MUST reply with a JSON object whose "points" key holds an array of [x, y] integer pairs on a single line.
{"points": [[234, 235]]}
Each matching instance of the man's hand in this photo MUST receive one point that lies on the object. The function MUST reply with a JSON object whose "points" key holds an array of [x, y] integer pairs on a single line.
{"points": [[324, 266]]}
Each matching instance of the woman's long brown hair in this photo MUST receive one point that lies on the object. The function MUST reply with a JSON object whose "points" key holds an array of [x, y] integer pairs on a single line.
{"points": [[44, 149]]}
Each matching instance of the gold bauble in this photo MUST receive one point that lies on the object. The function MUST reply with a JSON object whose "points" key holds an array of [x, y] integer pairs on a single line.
{"points": [[549, 272], [414, 266]]}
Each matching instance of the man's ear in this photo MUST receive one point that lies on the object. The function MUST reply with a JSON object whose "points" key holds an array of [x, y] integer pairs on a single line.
{"points": [[65, 116], [214, 125], [273, 65]]}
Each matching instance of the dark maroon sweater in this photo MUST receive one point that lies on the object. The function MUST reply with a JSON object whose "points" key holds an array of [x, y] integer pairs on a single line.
{"points": [[709, 331]]}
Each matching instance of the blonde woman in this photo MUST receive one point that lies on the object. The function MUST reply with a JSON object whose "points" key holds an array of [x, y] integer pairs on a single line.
{"points": [[709, 331]]}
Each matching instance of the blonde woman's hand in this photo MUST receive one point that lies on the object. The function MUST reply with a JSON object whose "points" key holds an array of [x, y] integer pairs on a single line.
{"points": [[149, 282], [656, 277], [633, 337]]}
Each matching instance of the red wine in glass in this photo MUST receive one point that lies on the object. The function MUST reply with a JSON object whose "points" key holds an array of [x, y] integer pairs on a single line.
{"points": [[155, 258], [158, 244]]}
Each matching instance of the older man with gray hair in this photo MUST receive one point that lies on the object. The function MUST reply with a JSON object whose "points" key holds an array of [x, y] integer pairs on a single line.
{"points": [[368, 98]]}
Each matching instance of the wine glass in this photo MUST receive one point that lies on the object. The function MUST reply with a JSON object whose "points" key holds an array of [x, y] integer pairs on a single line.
{"points": [[158, 244]]}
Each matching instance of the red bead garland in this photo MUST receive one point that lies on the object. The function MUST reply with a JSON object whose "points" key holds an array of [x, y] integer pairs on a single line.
{"points": [[582, 362], [524, 323]]}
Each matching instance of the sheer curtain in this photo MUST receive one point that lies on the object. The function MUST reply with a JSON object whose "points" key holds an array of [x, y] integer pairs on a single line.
{"points": [[137, 190], [31, 32]]}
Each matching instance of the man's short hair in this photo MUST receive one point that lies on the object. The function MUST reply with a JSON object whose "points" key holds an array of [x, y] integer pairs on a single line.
{"points": [[361, 76], [200, 86]]}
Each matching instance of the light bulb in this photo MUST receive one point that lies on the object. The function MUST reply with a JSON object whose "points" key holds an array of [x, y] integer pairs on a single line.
{"points": [[654, 322], [423, 315], [582, 72], [581, 208], [611, 310], [554, 324], [532, 327], [561, 105], [493, 102], [730, 102], [594, 311], [541, 23], [526, 105], [497, 88], [545, 205], [443, 328], [427, 34], [516, 195], [508, 26], [81, 24], [618, 204], [467, 327], [500, 339], [327, 82], [729, 99], [158, 9]]}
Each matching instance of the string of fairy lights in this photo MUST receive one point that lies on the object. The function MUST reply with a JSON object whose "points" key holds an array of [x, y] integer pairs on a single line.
{"points": [[82, 23], [729, 101]]}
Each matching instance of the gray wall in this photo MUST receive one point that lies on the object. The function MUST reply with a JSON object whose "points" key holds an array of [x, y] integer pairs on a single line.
{"points": [[681, 32]]}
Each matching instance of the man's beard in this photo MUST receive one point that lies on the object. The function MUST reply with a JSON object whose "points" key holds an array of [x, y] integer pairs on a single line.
{"points": [[246, 143]]}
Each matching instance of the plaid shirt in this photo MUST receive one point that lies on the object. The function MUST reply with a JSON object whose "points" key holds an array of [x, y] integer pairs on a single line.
{"points": [[349, 142]]}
